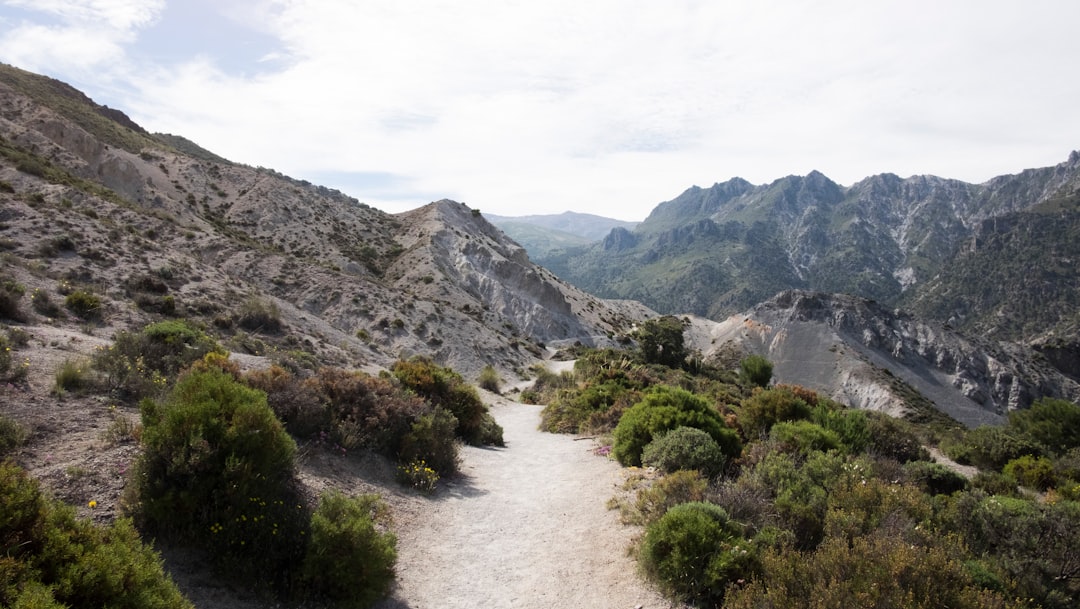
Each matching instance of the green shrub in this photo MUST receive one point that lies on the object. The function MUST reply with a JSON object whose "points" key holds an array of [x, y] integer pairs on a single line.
{"points": [[1051, 423], [803, 437], [44, 305], [694, 552], [260, 315], [893, 438], [139, 364], [1032, 472], [12, 435], [418, 475], [766, 407], [663, 409], [991, 447], [349, 559], [72, 375], [217, 470], [685, 448], [11, 370], [11, 293], [755, 371], [1034, 544], [489, 379], [683, 486], [851, 426], [84, 305], [996, 483], [432, 439], [446, 389], [800, 499], [875, 571], [583, 410], [48, 558], [661, 342], [934, 478]]}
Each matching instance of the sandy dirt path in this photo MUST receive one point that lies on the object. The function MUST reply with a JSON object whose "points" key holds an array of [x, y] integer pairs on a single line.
{"points": [[525, 526]]}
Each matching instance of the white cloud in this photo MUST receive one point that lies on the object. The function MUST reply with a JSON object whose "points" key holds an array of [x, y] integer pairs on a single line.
{"points": [[611, 105], [81, 37]]}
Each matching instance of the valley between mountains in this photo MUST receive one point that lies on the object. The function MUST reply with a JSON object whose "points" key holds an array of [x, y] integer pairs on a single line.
{"points": [[210, 358]]}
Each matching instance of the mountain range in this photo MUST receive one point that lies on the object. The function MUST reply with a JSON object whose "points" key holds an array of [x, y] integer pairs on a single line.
{"points": [[998, 258], [156, 227]]}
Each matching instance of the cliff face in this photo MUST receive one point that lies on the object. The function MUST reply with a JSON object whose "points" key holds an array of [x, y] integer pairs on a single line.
{"points": [[861, 353]]}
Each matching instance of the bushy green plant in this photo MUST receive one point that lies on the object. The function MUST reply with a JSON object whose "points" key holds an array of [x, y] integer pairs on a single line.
{"points": [[664, 408], [1032, 472], [580, 411], [694, 552], [756, 371], [418, 475], [766, 407], [991, 447], [349, 559], [11, 293], [72, 375], [685, 448], [1034, 544], [260, 315], [874, 571], [851, 426], [489, 379], [12, 435], [432, 439], [803, 437], [446, 389], [84, 304], [49, 558], [44, 304], [139, 364], [1051, 423], [661, 341], [934, 478], [684, 486], [894, 439], [217, 469], [11, 370]]}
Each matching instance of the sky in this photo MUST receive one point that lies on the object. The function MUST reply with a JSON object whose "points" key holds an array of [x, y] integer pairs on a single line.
{"points": [[604, 106]]}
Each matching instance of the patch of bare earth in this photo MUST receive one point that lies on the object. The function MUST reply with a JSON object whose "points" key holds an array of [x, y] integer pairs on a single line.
{"points": [[524, 526]]}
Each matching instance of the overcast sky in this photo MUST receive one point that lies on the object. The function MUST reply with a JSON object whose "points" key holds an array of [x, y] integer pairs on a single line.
{"points": [[602, 106]]}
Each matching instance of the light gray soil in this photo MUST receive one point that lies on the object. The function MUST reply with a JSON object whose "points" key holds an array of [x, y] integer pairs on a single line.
{"points": [[526, 526]]}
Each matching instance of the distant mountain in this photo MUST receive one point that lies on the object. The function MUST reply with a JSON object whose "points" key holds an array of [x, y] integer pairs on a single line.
{"points": [[715, 251], [542, 234]]}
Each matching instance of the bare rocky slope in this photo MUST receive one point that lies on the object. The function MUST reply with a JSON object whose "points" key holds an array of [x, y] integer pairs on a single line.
{"points": [[865, 355], [99, 203]]}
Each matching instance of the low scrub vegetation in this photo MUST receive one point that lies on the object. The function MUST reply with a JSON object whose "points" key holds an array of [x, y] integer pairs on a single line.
{"points": [[49, 558], [810, 504], [218, 471]]}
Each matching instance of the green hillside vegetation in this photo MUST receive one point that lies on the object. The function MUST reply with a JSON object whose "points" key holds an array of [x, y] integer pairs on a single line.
{"points": [[778, 497], [108, 126], [216, 472], [1016, 279], [540, 241]]}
